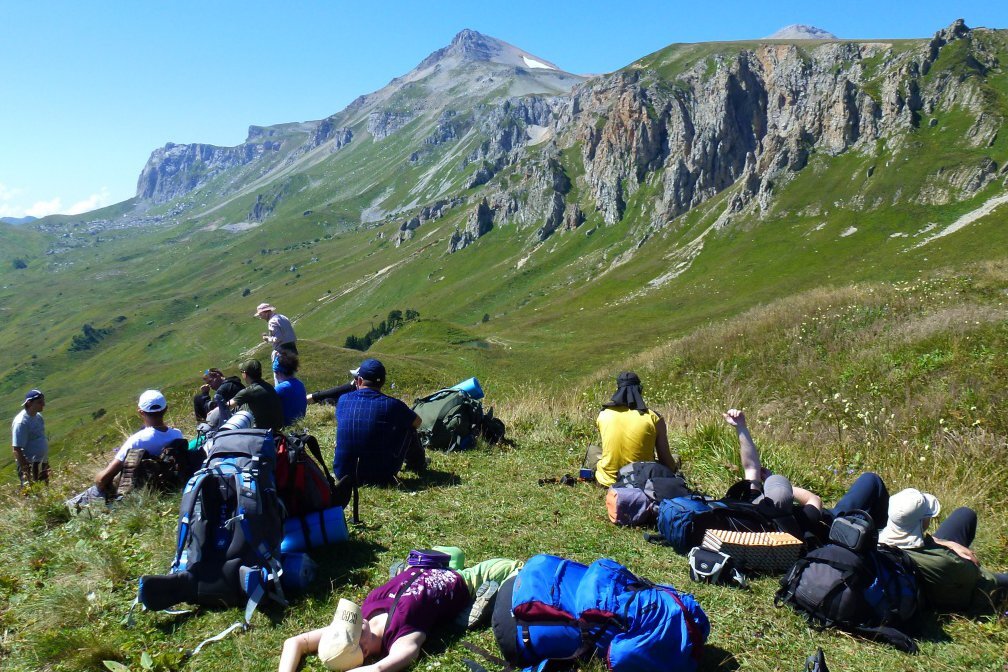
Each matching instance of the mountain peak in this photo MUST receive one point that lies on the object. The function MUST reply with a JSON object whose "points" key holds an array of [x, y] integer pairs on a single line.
{"points": [[473, 46], [800, 31]]}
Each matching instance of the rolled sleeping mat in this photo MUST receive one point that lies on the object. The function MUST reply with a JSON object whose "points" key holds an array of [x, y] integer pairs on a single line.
{"points": [[470, 386], [240, 420], [163, 591]]}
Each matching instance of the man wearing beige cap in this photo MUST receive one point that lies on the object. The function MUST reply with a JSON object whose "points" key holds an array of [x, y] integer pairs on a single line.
{"points": [[948, 570], [279, 333]]}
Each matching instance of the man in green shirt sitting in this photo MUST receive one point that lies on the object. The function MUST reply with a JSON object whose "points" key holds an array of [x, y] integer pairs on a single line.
{"points": [[260, 398]]}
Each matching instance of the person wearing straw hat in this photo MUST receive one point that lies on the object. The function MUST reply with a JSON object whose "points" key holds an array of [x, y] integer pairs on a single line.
{"points": [[630, 432], [29, 442], [395, 619], [948, 570]]}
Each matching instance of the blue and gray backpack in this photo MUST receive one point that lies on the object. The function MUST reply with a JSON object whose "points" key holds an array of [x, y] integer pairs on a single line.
{"points": [[557, 609], [229, 532]]}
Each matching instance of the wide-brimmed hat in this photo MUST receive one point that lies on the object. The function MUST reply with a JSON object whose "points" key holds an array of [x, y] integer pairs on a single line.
{"points": [[264, 307], [907, 511], [339, 648]]}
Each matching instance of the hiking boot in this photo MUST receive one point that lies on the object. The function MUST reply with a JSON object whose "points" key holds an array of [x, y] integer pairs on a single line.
{"points": [[133, 458], [481, 607]]}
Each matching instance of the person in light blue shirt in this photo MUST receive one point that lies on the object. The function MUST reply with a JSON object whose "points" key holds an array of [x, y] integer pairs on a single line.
{"points": [[292, 391], [28, 439]]}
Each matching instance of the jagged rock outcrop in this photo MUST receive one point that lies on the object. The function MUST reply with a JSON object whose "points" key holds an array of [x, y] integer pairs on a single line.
{"points": [[175, 170], [504, 128], [479, 223], [427, 213], [328, 130], [384, 123]]}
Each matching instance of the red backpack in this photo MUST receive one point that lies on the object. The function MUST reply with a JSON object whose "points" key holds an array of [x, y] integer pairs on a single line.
{"points": [[303, 485]]}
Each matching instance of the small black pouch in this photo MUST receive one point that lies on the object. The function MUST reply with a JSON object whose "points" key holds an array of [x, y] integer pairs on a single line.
{"points": [[854, 530], [707, 566]]}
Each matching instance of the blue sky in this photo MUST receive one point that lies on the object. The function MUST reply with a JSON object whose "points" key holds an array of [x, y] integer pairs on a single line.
{"points": [[88, 90]]}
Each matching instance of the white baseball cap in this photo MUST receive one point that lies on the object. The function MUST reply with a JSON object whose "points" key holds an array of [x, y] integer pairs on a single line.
{"points": [[339, 648], [152, 401], [907, 511]]}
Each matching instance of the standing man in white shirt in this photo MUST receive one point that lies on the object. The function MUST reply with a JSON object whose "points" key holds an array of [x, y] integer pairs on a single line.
{"points": [[28, 438]]}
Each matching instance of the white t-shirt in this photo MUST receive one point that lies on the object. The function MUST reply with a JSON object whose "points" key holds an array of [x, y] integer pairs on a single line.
{"points": [[150, 439], [28, 434]]}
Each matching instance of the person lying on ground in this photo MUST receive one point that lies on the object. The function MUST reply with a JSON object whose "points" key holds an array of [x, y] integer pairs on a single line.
{"points": [[375, 433], [394, 621], [153, 439], [947, 569], [216, 391], [260, 397], [29, 441], [630, 432], [291, 390]]}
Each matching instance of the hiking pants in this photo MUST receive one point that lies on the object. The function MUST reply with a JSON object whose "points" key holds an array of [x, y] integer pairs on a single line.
{"points": [[38, 471], [961, 527], [868, 493], [495, 569]]}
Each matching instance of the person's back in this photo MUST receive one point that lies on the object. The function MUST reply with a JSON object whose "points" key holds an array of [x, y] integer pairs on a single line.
{"points": [[260, 397], [293, 396], [627, 436], [372, 432]]}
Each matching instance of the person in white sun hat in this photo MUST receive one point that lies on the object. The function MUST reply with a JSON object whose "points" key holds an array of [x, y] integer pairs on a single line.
{"points": [[280, 331], [948, 570]]}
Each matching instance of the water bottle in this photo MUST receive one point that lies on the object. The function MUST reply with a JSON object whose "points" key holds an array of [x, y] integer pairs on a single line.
{"points": [[313, 530]]}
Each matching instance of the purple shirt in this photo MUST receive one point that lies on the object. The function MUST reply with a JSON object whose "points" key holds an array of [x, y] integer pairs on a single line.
{"points": [[436, 596]]}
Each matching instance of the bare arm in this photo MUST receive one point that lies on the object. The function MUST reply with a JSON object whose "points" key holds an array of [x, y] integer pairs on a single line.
{"points": [[662, 447], [401, 654], [747, 448], [295, 648], [806, 497], [105, 477]]}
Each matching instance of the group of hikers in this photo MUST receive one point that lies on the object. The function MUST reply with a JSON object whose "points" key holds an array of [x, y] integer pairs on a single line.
{"points": [[376, 438]]}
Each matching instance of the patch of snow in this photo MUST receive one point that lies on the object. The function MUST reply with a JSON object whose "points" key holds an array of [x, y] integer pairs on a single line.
{"points": [[849, 231], [967, 219], [532, 63], [538, 134]]}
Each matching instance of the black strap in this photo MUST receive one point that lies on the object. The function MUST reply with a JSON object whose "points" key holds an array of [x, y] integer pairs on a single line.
{"points": [[889, 635], [489, 657], [316, 452]]}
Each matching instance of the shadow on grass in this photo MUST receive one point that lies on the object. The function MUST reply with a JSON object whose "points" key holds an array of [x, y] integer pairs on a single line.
{"points": [[432, 478], [716, 658], [343, 564]]}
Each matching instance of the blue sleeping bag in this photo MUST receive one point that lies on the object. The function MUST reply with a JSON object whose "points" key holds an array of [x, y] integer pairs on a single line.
{"points": [[559, 609]]}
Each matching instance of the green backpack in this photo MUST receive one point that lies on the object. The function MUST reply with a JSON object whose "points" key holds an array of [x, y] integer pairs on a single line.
{"points": [[451, 420]]}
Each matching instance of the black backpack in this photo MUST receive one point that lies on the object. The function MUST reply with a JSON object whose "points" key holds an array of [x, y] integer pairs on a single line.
{"points": [[656, 480], [166, 473], [871, 592], [229, 532]]}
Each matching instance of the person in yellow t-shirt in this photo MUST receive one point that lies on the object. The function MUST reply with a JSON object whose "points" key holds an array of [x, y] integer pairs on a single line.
{"points": [[630, 431]]}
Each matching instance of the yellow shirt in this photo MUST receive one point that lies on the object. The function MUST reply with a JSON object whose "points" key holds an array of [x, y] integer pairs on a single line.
{"points": [[627, 436]]}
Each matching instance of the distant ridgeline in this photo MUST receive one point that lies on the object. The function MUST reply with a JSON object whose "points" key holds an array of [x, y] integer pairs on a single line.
{"points": [[395, 319]]}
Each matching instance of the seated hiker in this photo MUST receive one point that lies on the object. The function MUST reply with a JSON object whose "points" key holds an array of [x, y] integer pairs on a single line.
{"points": [[948, 570], [153, 439], [396, 618], [291, 390], [630, 432], [260, 398], [215, 392], [375, 433]]}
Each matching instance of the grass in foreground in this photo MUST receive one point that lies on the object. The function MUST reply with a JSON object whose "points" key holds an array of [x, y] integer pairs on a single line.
{"points": [[919, 370]]}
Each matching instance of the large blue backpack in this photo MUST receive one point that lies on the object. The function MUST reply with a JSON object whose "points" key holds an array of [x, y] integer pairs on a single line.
{"points": [[229, 532], [556, 609]]}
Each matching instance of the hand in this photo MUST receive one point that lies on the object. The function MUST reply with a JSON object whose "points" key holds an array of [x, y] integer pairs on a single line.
{"points": [[205, 388], [735, 418], [309, 399], [963, 552], [265, 337]]}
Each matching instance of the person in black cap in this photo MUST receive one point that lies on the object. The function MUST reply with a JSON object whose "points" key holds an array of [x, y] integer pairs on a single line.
{"points": [[28, 439], [375, 433], [630, 432]]}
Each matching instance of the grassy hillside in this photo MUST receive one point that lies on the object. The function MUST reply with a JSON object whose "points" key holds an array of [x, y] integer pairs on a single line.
{"points": [[902, 378]]}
